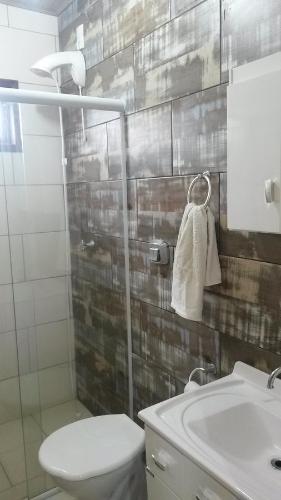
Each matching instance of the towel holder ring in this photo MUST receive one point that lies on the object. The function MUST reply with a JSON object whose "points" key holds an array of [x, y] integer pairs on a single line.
{"points": [[206, 176]]}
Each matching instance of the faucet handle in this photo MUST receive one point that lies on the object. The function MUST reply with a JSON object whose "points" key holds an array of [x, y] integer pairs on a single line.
{"points": [[210, 368]]}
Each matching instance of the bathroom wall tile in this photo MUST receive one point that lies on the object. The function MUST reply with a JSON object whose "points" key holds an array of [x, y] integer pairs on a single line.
{"points": [[39, 120], [151, 384], [173, 343], [100, 313], [46, 171], [249, 31], [41, 301], [9, 400], [7, 321], [8, 356], [161, 203], [114, 149], [77, 198], [30, 394], [4, 21], [17, 258], [2, 156], [88, 159], [114, 77], [250, 322], [233, 350], [244, 244], [53, 344], [179, 58], [52, 393], [94, 264], [15, 63], [127, 20], [35, 209], [27, 350], [199, 132], [5, 269], [105, 208], [180, 6], [11, 163], [3, 212], [149, 142], [91, 18], [26, 20], [44, 255], [104, 374]]}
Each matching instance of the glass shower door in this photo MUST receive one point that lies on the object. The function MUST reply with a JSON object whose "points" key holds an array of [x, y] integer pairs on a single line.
{"points": [[37, 379]]}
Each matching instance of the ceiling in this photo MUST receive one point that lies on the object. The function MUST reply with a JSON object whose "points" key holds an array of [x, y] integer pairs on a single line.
{"points": [[53, 7]]}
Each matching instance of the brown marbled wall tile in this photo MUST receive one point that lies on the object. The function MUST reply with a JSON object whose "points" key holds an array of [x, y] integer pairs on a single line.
{"points": [[95, 264], [101, 309], [71, 13], [151, 384], [77, 201], [105, 208], [124, 21], [161, 203], [113, 77], [149, 281], [179, 58], [180, 6], [199, 132], [259, 246], [103, 371], [72, 117], [149, 142], [91, 18], [247, 321], [250, 30], [114, 149], [233, 350], [171, 342]]}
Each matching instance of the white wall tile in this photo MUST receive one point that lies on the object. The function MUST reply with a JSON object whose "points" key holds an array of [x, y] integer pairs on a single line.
{"points": [[32, 21], [22, 50], [30, 395], [7, 320], [5, 261], [44, 255], [34, 209], [27, 350], [17, 258], [9, 400], [41, 301], [52, 344], [3, 212], [42, 161], [11, 162], [1, 169], [4, 15], [39, 120], [8, 355], [52, 393]]}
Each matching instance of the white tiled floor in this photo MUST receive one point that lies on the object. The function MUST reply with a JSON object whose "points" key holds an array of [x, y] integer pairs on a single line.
{"points": [[19, 450]]}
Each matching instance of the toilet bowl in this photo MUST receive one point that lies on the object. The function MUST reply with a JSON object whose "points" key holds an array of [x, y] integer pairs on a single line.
{"points": [[98, 458]]}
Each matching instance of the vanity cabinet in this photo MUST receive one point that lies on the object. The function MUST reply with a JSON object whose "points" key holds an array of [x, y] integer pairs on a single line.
{"points": [[172, 476]]}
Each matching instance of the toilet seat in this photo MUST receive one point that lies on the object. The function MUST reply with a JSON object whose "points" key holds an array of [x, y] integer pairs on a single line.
{"points": [[91, 447]]}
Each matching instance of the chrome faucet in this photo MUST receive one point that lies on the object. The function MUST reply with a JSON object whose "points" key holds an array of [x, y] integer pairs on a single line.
{"points": [[272, 377]]}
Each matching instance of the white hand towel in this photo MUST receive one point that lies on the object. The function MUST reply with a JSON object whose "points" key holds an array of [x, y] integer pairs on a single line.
{"points": [[196, 262]]}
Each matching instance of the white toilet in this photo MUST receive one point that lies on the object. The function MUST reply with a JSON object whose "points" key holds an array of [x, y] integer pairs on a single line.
{"points": [[98, 458]]}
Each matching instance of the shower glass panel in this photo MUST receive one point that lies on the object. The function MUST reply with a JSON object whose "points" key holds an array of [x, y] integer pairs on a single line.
{"points": [[46, 382]]}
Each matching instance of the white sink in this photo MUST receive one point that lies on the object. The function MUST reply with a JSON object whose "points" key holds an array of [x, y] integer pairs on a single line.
{"points": [[231, 428]]}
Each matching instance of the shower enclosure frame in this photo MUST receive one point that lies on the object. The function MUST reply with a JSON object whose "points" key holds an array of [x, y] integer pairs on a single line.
{"points": [[104, 104]]}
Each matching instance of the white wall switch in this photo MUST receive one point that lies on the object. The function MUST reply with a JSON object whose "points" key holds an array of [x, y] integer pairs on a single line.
{"points": [[80, 43]]}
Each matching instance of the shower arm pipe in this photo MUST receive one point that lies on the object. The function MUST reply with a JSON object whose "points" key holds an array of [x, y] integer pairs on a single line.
{"points": [[53, 99]]}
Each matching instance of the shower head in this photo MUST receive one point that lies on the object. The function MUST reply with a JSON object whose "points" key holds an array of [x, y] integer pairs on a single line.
{"points": [[45, 67]]}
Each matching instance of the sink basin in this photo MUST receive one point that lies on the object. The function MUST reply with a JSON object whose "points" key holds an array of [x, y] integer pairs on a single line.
{"points": [[231, 428]]}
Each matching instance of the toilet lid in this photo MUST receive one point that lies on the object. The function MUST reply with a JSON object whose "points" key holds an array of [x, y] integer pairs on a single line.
{"points": [[91, 447]]}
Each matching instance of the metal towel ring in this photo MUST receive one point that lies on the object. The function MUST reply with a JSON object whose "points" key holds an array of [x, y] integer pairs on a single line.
{"points": [[206, 176]]}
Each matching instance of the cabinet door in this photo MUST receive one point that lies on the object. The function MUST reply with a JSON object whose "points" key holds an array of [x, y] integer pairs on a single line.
{"points": [[157, 490], [254, 148]]}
